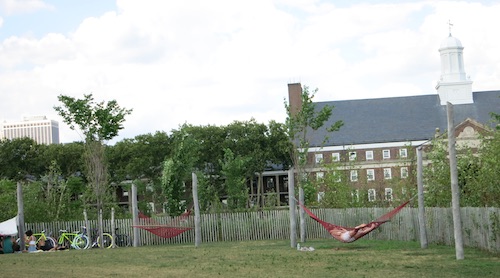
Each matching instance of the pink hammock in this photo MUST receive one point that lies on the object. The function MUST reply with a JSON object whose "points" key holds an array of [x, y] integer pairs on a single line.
{"points": [[348, 234], [165, 231]]}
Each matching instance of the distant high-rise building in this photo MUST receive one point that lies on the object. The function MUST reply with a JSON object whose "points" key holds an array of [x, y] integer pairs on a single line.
{"points": [[38, 128]]}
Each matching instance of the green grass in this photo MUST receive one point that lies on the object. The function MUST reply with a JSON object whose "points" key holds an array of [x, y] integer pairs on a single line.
{"points": [[364, 258]]}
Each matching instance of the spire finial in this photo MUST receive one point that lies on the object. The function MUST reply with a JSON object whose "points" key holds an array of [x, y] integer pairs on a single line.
{"points": [[449, 27]]}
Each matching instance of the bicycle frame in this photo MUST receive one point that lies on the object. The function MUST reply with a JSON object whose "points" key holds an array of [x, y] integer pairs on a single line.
{"points": [[76, 240], [39, 236]]}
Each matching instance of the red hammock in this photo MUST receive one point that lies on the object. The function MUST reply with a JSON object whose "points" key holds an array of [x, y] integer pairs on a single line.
{"points": [[347, 234], [166, 231]]}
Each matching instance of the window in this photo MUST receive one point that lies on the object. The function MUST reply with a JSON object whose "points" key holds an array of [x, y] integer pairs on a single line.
{"points": [[369, 155], [352, 156], [403, 153], [371, 195], [354, 175], [370, 174], [321, 195], [355, 195], [337, 177], [387, 173], [388, 194], [335, 157], [318, 158], [404, 172], [386, 154], [320, 176]]}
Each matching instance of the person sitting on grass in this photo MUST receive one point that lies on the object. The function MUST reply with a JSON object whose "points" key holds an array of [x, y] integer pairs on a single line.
{"points": [[7, 245], [46, 246], [31, 240]]}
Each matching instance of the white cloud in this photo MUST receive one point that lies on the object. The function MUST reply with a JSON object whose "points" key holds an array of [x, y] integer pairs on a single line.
{"points": [[201, 62]]}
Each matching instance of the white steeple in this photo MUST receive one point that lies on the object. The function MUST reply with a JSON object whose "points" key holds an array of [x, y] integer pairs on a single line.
{"points": [[454, 86]]}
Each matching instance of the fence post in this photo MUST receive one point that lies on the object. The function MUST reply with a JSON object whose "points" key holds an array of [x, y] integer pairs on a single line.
{"points": [[291, 204], [113, 230], [20, 215], [197, 228], [421, 203], [135, 215]]}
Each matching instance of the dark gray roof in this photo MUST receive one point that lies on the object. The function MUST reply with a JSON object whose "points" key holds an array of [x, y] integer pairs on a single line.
{"points": [[399, 119]]}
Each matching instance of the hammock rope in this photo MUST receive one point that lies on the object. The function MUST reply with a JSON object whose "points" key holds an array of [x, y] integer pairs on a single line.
{"points": [[349, 234], [174, 229]]}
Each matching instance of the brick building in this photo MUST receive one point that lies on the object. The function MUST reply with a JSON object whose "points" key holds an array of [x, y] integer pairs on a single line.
{"points": [[375, 147]]}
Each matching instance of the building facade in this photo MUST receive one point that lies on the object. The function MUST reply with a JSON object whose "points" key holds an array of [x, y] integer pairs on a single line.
{"points": [[38, 128], [375, 148]]}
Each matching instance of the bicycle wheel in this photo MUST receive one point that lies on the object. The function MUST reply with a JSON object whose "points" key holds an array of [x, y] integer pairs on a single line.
{"points": [[51, 241], [107, 239], [81, 242], [122, 240]]}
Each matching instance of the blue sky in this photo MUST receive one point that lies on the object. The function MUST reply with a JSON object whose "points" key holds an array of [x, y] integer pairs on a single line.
{"points": [[56, 16], [214, 62]]}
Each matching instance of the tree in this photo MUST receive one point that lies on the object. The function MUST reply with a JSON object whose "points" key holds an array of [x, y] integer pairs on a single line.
{"points": [[177, 169], [68, 158], [300, 121], [234, 169], [98, 122], [20, 159], [485, 185], [300, 124]]}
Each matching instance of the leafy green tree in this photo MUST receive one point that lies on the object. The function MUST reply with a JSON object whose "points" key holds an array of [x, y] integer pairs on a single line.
{"points": [[68, 158], [485, 184], [98, 122], [300, 124], [139, 158], [8, 199], [177, 170], [338, 191], [437, 175], [234, 169], [20, 159]]}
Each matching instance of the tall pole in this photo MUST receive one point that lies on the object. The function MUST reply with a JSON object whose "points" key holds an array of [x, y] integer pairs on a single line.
{"points": [[135, 215], [455, 193], [302, 216], [292, 205], [197, 228], [421, 203], [20, 215], [113, 229]]}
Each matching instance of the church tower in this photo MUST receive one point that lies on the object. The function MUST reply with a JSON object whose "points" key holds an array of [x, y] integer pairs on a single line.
{"points": [[454, 86]]}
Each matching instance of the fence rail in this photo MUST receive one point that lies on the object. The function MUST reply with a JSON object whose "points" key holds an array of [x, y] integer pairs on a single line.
{"points": [[481, 226]]}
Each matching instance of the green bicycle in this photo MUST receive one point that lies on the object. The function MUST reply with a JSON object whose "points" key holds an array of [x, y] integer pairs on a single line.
{"points": [[39, 236], [75, 240]]}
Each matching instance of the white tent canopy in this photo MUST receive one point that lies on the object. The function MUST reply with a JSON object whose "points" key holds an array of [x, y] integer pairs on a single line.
{"points": [[9, 227]]}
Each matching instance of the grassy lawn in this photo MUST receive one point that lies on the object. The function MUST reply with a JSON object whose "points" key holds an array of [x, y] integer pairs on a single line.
{"points": [[365, 258]]}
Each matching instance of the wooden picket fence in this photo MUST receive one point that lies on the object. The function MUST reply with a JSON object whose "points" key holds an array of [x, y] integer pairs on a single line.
{"points": [[481, 226]]}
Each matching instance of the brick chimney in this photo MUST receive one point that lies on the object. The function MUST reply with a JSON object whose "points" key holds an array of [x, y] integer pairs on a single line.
{"points": [[295, 97]]}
